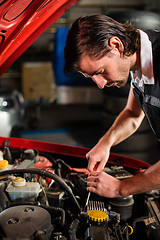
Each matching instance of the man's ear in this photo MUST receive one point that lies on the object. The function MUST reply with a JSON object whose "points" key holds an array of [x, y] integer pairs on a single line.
{"points": [[116, 43]]}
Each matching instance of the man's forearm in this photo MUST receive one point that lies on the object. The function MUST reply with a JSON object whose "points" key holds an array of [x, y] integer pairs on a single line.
{"points": [[108, 186], [142, 182], [123, 127]]}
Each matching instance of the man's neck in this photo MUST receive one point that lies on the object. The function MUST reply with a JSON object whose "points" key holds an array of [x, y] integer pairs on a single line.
{"points": [[135, 61]]}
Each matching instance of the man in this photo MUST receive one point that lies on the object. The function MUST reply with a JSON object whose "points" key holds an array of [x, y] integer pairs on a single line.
{"points": [[106, 50]]}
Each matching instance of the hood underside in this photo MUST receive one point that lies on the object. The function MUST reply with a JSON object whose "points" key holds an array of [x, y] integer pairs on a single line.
{"points": [[22, 22]]}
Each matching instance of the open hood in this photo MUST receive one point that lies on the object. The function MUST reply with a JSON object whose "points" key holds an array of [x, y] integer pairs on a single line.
{"points": [[23, 21]]}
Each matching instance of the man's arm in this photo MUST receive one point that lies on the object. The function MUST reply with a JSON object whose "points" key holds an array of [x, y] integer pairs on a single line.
{"points": [[108, 186], [124, 126]]}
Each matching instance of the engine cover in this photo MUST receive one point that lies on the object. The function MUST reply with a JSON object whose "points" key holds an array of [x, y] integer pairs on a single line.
{"points": [[22, 222]]}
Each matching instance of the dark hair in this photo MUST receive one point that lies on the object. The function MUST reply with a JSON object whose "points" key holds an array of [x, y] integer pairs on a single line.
{"points": [[91, 34]]}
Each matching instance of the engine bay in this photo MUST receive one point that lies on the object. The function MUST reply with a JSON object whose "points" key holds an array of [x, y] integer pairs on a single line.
{"points": [[43, 196]]}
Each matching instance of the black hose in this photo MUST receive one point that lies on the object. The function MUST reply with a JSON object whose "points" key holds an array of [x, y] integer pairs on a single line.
{"points": [[63, 163], [4, 179], [45, 173], [140, 219], [55, 209], [58, 169], [73, 229]]}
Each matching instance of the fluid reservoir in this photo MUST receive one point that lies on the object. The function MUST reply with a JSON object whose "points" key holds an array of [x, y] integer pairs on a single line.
{"points": [[97, 216], [97, 225], [4, 165], [19, 188]]}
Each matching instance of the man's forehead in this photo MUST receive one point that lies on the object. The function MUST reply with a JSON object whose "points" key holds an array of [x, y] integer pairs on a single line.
{"points": [[86, 64]]}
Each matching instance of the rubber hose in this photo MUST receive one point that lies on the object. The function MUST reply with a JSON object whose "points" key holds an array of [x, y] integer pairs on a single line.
{"points": [[45, 173], [55, 209], [73, 229]]}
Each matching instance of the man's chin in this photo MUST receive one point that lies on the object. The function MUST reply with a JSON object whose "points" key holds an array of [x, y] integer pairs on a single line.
{"points": [[117, 84], [121, 84]]}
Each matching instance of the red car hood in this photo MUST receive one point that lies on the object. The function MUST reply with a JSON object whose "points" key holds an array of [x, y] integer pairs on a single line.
{"points": [[23, 21]]}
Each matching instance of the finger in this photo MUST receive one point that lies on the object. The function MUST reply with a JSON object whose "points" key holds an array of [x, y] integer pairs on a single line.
{"points": [[92, 179], [91, 165], [92, 184], [87, 155], [101, 166], [93, 173], [92, 189]]}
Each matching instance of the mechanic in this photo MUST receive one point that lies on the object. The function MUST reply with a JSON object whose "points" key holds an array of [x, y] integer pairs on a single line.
{"points": [[108, 51]]}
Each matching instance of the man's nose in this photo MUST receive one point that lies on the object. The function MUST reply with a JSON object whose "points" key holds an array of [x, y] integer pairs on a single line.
{"points": [[98, 81]]}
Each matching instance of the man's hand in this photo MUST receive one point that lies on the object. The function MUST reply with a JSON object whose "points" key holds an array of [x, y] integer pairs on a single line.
{"points": [[108, 186], [99, 154], [103, 184]]}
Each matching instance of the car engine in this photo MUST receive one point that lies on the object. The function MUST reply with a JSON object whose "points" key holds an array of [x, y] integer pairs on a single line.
{"points": [[43, 196]]}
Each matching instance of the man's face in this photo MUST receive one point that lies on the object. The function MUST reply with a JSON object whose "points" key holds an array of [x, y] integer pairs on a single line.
{"points": [[111, 70]]}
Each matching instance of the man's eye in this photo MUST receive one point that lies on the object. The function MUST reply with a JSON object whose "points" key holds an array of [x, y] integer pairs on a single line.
{"points": [[100, 72]]}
